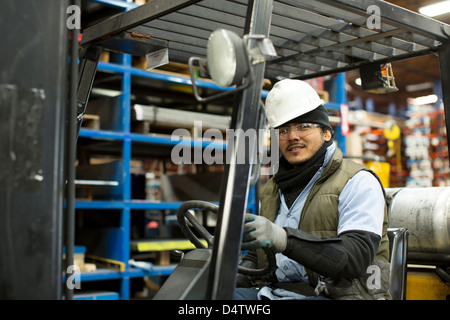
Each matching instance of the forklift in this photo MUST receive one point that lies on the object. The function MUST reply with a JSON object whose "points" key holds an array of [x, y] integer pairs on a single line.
{"points": [[239, 43]]}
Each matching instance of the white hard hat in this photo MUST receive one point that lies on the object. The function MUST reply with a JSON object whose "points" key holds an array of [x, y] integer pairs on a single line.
{"points": [[288, 100]]}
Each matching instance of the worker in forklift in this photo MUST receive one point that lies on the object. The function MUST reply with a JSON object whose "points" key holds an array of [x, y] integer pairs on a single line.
{"points": [[324, 216]]}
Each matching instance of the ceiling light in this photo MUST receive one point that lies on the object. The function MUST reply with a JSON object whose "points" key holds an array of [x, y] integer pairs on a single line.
{"points": [[420, 101], [419, 86], [435, 9], [358, 81]]}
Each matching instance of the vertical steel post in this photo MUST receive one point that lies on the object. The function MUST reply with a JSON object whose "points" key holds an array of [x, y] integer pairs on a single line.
{"points": [[71, 159], [33, 99], [233, 202], [125, 220], [444, 60]]}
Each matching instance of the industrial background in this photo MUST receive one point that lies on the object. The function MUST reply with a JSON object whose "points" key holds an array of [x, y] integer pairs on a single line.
{"points": [[117, 220]]}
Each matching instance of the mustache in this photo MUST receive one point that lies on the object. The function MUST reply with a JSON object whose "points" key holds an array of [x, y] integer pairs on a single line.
{"points": [[296, 144]]}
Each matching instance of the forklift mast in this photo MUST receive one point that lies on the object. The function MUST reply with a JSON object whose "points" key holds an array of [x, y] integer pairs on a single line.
{"points": [[34, 90]]}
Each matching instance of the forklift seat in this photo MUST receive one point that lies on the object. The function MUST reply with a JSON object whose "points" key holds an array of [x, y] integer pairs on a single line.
{"points": [[398, 249]]}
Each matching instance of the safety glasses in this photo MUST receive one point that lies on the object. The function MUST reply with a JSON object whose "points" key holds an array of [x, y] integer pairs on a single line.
{"points": [[301, 130]]}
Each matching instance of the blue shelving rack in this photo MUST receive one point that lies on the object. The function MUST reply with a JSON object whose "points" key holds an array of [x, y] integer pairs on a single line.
{"points": [[119, 239], [126, 138]]}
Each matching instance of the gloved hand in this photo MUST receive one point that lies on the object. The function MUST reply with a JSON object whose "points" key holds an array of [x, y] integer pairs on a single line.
{"points": [[263, 233]]}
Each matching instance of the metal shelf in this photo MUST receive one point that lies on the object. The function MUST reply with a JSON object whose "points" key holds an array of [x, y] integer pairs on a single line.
{"points": [[147, 205], [102, 134], [129, 204], [155, 75], [104, 205], [155, 271], [180, 79], [162, 245], [152, 139], [100, 274], [106, 274]]}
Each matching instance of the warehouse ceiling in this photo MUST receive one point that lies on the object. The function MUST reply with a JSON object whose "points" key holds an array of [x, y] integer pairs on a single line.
{"points": [[414, 71], [410, 72]]}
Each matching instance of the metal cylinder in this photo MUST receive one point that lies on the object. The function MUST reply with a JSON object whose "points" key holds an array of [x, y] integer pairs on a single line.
{"points": [[425, 212]]}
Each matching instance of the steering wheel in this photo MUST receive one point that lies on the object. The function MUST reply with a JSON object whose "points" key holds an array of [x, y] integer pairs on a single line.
{"points": [[184, 214]]}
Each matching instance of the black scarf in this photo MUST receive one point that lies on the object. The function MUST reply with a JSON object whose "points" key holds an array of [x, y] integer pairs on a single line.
{"points": [[292, 180]]}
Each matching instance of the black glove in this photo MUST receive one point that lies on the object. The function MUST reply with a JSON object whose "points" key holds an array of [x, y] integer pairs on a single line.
{"points": [[249, 261]]}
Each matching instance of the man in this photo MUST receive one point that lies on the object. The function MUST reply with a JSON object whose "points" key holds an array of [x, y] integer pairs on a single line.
{"points": [[324, 216]]}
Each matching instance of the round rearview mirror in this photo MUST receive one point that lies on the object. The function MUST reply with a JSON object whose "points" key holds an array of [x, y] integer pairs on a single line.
{"points": [[227, 58]]}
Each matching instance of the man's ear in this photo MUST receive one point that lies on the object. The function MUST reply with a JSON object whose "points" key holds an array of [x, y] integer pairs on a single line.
{"points": [[327, 135]]}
